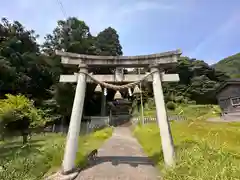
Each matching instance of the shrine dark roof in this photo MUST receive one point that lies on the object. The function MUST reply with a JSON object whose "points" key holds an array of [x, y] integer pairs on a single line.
{"points": [[228, 82], [119, 102]]}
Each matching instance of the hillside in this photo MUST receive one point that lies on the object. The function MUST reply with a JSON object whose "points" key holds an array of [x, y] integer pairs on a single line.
{"points": [[230, 65]]}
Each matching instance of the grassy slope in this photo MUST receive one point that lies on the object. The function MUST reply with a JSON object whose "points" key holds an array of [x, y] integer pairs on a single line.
{"points": [[190, 111], [204, 150], [43, 154], [230, 65]]}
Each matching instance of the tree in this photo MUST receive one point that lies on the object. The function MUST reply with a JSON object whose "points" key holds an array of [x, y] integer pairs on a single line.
{"points": [[18, 113], [71, 35], [74, 36], [60, 105], [23, 69], [107, 44], [198, 81]]}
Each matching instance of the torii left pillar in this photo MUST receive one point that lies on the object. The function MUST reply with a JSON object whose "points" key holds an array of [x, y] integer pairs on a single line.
{"points": [[75, 122]]}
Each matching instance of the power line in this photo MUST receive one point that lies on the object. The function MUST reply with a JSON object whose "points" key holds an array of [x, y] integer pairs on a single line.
{"points": [[62, 8], [64, 14]]}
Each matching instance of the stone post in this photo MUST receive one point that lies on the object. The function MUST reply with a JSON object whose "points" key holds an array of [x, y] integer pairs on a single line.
{"points": [[75, 122], [103, 103], [110, 118], [163, 123]]}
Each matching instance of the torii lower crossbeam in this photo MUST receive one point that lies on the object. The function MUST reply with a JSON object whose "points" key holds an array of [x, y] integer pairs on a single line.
{"points": [[126, 78]]}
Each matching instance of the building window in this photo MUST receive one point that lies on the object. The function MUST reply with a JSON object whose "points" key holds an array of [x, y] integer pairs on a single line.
{"points": [[235, 101]]}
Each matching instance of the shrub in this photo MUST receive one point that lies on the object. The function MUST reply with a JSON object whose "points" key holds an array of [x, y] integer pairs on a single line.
{"points": [[192, 102], [179, 99], [17, 107], [151, 103], [171, 105], [19, 112], [185, 101]]}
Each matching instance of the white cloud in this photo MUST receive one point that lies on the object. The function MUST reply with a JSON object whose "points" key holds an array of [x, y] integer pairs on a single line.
{"points": [[98, 14], [103, 15], [141, 6], [121, 15], [223, 32]]}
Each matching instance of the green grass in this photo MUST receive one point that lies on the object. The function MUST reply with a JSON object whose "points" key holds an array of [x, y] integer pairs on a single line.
{"points": [[43, 154], [204, 150], [190, 111]]}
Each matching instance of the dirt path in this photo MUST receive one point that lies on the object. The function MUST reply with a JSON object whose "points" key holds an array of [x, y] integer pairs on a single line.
{"points": [[219, 119], [121, 158]]}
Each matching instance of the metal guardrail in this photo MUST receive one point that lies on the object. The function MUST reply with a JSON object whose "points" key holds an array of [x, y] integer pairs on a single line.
{"points": [[92, 123], [96, 122], [176, 117], [154, 119]]}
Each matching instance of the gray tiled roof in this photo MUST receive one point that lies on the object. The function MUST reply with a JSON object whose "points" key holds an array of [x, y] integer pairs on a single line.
{"points": [[228, 82]]}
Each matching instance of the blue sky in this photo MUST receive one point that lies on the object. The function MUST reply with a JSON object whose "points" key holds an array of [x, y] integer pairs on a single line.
{"points": [[202, 29]]}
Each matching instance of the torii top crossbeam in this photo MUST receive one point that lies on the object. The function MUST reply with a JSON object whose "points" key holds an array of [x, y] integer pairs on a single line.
{"points": [[163, 59]]}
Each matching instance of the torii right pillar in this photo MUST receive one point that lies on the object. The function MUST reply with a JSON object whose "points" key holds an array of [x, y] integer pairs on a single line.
{"points": [[163, 123]]}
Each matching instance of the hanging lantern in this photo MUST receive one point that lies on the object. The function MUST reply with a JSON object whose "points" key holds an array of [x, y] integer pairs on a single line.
{"points": [[117, 95], [129, 91], [136, 90], [98, 88], [105, 91]]}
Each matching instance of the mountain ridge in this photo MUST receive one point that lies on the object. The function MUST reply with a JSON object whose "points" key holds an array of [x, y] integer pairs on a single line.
{"points": [[229, 65]]}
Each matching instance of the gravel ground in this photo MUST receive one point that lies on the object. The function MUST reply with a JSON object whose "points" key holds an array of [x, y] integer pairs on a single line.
{"points": [[120, 158]]}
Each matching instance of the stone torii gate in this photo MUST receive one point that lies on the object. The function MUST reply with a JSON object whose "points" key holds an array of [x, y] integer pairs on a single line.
{"points": [[156, 62]]}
